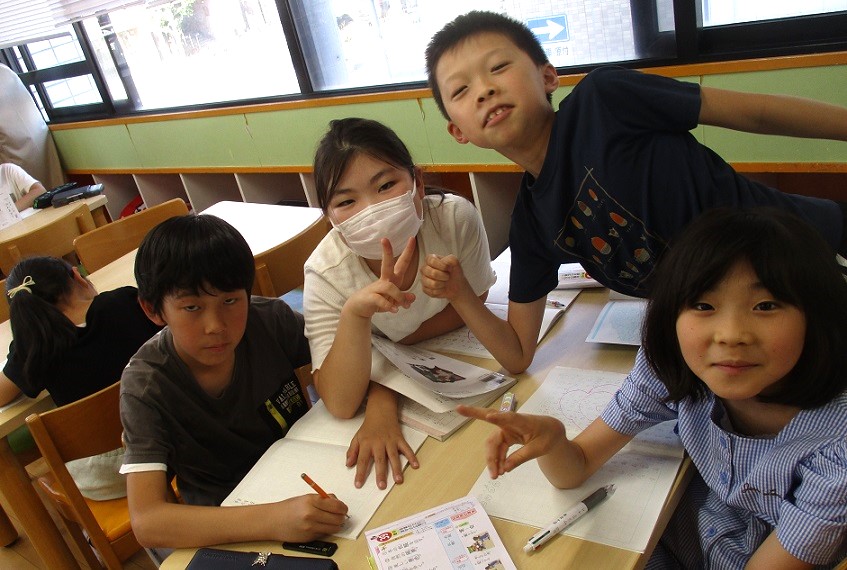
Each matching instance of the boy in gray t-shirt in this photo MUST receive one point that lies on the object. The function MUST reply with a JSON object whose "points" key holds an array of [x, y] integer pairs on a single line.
{"points": [[205, 398]]}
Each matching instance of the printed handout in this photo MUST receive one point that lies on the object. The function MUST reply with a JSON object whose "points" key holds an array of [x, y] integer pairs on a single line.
{"points": [[441, 374]]}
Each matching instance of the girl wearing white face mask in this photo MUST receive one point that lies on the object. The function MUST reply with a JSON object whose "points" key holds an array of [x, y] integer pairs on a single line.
{"points": [[364, 276]]}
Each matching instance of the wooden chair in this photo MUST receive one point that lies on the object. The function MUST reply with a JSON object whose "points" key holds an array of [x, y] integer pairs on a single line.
{"points": [[107, 243], [54, 239], [81, 429], [279, 270], [4, 302]]}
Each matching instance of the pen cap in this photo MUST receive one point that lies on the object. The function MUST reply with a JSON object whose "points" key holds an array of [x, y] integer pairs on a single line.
{"points": [[528, 548]]}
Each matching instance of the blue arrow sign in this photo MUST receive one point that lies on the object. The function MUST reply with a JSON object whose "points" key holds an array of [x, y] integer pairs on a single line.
{"points": [[550, 29]]}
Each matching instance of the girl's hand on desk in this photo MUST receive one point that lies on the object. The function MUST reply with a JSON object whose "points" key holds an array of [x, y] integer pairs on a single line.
{"points": [[384, 294], [538, 435], [379, 440], [442, 277], [308, 517]]}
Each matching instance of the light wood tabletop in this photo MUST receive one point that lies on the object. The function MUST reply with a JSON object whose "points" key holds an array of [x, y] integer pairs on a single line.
{"points": [[264, 226], [35, 219], [449, 469]]}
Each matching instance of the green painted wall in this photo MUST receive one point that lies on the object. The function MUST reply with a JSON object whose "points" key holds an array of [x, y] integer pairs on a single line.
{"points": [[288, 138]]}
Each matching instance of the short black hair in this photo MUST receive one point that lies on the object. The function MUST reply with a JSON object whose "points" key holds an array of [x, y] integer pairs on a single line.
{"points": [[471, 24], [192, 253], [792, 261]]}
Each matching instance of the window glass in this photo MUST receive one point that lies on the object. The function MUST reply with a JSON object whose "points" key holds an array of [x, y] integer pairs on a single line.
{"points": [[190, 52], [351, 43], [73, 91], [664, 13], [721, 12], [56, 51], [100, 39], [19, 57]]}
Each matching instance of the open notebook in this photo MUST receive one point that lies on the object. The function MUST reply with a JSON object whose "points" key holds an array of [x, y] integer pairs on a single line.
{"points": [[317, 444]]}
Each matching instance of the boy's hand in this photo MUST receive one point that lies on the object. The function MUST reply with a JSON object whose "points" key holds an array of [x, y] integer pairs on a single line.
{"points": [[379, 440], [308, 517], [384, 294], [537, 434], [443, 278]]}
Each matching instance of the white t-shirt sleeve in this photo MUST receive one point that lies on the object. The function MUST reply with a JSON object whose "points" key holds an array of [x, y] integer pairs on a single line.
{"points": [[323, 299], [472, 247], [15, 181]]}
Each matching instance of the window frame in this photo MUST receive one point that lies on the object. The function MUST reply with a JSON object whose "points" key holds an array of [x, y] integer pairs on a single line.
{"points": [[689, 42]]}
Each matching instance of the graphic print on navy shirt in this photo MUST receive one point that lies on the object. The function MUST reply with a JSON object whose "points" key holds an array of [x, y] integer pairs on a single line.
{"points": [[611, 243]]}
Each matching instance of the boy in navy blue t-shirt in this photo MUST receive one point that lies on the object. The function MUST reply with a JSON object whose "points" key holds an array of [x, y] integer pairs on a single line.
{"points": [[610, 178]]}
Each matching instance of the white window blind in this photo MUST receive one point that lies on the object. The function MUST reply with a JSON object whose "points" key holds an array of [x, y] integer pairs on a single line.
{"points": [[23, 21]]}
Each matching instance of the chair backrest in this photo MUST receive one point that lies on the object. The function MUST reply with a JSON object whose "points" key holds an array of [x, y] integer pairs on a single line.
{"points": [[84, 428], [107, 243], [4, 302], [56, 238], [279, 270]]}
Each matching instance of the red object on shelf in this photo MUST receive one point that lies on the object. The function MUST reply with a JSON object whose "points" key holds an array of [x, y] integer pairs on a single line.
{"points": [[135, 205]]}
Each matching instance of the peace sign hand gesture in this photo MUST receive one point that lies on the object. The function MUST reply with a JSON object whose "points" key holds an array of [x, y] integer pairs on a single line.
{"points": [[384, 294]]}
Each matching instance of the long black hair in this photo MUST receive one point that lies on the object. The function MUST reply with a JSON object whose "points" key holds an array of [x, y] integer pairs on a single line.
{"points": [[42, 333]]}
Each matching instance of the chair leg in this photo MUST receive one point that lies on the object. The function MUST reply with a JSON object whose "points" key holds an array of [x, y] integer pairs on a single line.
{"points": [[82, 545]]}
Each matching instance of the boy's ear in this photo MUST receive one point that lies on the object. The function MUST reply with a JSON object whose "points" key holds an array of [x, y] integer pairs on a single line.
{"points": [[456, 133], [550, 77], [147, 307]]}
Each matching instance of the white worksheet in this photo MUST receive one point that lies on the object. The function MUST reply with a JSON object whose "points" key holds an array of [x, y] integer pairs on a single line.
{"points": [[643, 472]]}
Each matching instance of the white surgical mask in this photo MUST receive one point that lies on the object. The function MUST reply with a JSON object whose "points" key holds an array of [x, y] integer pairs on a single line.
{"points": [[395, 219]]}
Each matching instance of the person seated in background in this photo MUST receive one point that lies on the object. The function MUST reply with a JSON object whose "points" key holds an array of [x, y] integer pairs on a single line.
{"points": [[203, 400], [22, 187], [72, 341], [68, 339]]}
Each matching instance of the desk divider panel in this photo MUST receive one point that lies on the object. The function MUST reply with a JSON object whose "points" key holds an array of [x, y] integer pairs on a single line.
{"points": [[494, 194], [120, 190], [270, 187], [158, 188], [205, 190]]}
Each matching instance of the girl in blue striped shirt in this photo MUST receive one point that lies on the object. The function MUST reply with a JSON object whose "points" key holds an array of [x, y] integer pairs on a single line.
{"points": [[745, 347]]}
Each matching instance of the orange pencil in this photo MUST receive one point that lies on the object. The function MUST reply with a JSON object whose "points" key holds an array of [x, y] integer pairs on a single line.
{"points": [[314, 486]]}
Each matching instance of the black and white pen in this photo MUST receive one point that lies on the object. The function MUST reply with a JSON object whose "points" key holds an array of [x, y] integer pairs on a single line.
{"points": [[570, 516]]}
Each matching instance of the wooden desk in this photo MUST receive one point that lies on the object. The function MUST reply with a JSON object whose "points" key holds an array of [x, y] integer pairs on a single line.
{"points": [[35, 219], [265, 226], [449, 469]]}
